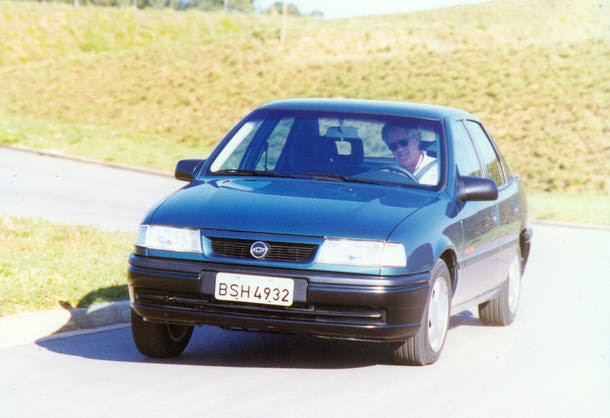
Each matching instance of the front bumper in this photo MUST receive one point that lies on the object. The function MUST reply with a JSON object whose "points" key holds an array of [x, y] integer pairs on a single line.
{"points": [[351, 307]]}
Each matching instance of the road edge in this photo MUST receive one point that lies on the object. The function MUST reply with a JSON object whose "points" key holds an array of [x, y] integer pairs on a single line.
{"points": [[30, 327], [58, 154]]}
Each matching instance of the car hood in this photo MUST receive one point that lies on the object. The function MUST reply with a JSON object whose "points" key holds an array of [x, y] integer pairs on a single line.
{"points": [[290, 206]]}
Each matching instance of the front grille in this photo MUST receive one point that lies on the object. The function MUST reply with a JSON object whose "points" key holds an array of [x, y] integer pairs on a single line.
{"points": [[278, 251]]}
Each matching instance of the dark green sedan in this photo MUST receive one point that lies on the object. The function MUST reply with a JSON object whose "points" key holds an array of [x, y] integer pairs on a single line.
{"points": [[335, 218]]}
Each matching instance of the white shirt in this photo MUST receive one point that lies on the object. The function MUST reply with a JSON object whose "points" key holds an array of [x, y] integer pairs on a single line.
{"points": [[427, 170]]}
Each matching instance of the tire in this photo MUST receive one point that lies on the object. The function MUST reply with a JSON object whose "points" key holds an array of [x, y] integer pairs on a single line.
{"points": [[159, 340], [426, 345], [502, 309]]}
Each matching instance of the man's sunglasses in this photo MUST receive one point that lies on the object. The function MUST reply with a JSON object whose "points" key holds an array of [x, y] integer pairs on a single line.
{"points": [[394, 145]]}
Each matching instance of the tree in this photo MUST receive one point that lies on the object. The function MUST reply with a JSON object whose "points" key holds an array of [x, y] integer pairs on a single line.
{"points": [[245, 6], [278, 7]]}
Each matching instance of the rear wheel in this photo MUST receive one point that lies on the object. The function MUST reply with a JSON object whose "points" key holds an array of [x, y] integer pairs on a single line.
{"points": [[159, 340], [502, 309], [426, 345]]}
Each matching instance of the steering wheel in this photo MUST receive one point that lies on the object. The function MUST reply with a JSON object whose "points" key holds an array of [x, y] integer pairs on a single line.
{"points": [[397, 170]]}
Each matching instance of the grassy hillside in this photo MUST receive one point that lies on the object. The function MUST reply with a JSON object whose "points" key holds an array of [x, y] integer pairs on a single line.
{"points": [[149, 87]]}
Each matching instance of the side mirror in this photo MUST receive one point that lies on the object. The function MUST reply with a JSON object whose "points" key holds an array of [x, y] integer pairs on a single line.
{"points": [[476, 188], [186, 169]]}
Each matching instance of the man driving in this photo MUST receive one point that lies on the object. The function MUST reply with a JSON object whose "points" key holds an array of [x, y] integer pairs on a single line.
{"points": [[404, 143]]}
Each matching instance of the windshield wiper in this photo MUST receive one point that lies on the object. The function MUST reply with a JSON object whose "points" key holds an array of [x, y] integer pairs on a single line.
{"points": [[238, 172], [316, 176], [333, 177]]}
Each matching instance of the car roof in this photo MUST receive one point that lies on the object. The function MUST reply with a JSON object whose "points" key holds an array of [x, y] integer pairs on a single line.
{"points": [[374, 107]]}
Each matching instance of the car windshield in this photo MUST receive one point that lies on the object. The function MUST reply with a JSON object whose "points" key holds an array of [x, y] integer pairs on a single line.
{"points": [[334, 147]]}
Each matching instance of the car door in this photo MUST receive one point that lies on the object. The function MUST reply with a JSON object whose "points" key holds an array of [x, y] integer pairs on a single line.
{"points": [[479, 223]]}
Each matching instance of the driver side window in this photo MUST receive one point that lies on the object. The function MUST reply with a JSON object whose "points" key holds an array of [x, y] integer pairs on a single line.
{"points": [[466, 158]]}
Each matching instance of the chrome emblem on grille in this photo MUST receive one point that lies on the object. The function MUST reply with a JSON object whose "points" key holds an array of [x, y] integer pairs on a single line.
{"points": [[259, 249]]}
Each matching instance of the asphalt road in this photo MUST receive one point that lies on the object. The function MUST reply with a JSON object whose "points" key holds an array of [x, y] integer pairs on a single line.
{"points": [[77, 192], [554, 361]]}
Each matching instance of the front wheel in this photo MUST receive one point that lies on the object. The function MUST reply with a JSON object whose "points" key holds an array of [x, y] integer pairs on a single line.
{"points": [[426, 345], [502, 309], [159, 340]]}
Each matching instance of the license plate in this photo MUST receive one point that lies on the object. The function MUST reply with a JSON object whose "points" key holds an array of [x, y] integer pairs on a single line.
{"points": [[254, 289]]}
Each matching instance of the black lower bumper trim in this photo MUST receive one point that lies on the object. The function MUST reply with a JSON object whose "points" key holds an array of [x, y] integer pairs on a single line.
{"points": [[284, 325]]}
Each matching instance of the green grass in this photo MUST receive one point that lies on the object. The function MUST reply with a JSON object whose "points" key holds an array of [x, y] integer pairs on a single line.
{"points": [[577, 208], [49, 265], [95, 142]]}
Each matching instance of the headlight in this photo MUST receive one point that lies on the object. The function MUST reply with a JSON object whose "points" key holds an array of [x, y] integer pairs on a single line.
{"points": [[362, 253], [169, 239]]}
